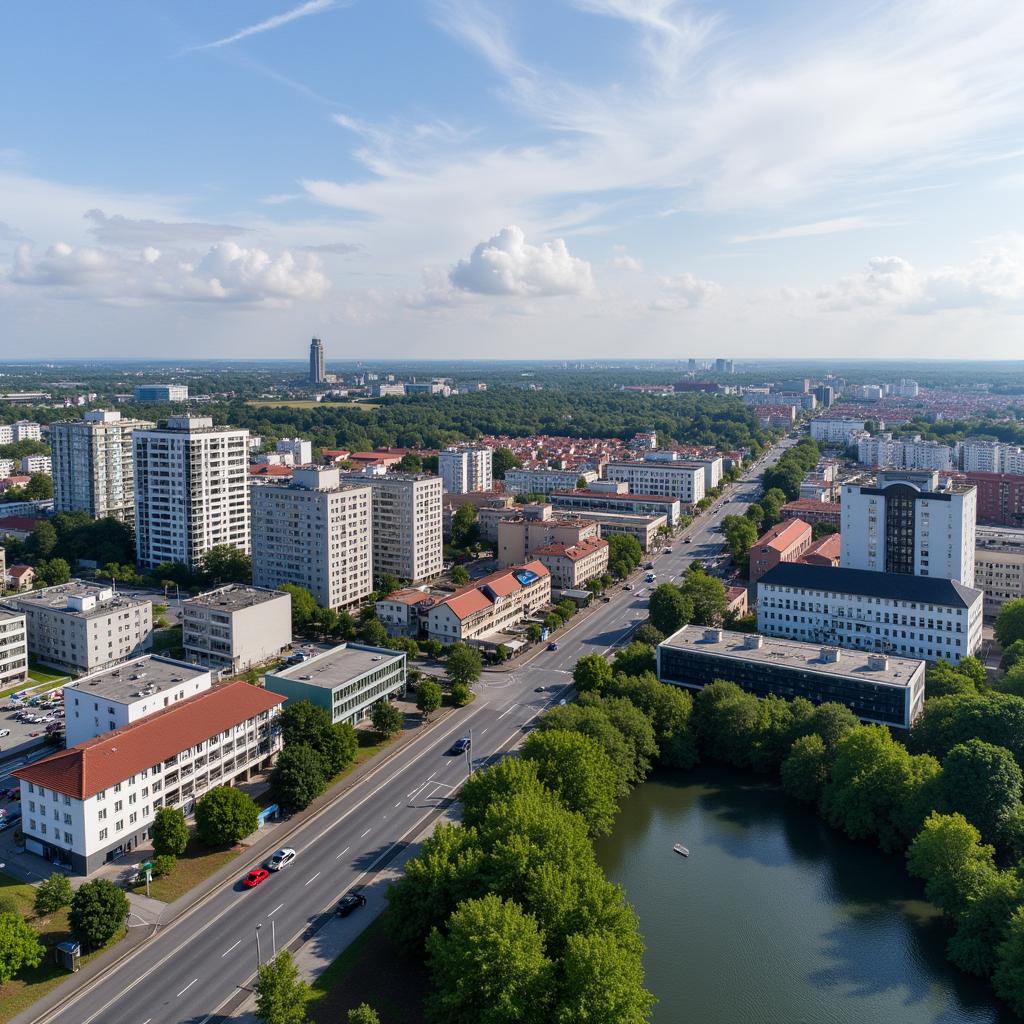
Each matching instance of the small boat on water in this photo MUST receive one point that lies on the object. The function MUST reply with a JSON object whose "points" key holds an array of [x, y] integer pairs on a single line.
{"points": [[682, 850]]}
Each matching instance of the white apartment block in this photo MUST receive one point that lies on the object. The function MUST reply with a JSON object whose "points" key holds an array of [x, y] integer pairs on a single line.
{"points": [[80, 627], [96, 801], [407, 525], [980, 456], [905, 452], [191, 491], [835, 432], [910, 616], [7, 467], [31, 464], [115, 697], [315, 533], [544, 481], [298, 448], [13, 648], [713, 465], [572, 565], [235, 627], [903, 524], [682, 480], [999, 566], [467, 469], [94, 465], [22, 430]]}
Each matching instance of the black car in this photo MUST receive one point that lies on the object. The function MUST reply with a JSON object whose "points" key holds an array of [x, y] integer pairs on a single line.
{"points": [[349, 902], [461, 745]]}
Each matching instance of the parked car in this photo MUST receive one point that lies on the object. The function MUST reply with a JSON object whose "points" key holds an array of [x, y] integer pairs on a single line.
{"points": [[254, 877], [281, 859], [628, 586], [5, 732], [349, 902], [10, 820], [552, 646]]}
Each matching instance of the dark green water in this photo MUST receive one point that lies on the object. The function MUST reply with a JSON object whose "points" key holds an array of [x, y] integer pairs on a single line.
{"points": [[776, 919]]}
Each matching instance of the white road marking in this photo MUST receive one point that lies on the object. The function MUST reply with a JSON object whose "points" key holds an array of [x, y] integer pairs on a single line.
{"points": [[399, 804], [186, 988], [275, 910], [308, 880], [226, 951], [342, 854], [483, 731], [366, 833], [511, 707]]}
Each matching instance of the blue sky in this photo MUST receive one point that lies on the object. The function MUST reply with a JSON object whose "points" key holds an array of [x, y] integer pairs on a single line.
{"points": [[567, 178]]}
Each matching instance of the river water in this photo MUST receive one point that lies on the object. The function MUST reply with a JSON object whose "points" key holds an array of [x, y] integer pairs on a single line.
{"points": [[775, 918]]}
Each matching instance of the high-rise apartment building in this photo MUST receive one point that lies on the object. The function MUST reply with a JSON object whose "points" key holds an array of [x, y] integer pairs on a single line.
{"points": [[93, 465], [466, 469], [407, 525], [905, 524], [682, 480], [316, 533], [191, 490], [22, 430], [298, 448], [317, 369]]}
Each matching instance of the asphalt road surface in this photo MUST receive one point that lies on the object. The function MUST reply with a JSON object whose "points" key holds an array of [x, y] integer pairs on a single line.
{"points": [[193, 970]]}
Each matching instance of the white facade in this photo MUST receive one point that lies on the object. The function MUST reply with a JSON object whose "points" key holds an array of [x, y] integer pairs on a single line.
{"points": [[407, 525], [835, 432], [682, 480], [981, 456], [466, 470], [544, 481], [315, 533], [905, 453], [940, 621], [13, 648], [94, 466], [191, 491], [298, 448], [999, 566], [903, 525], [36, 464]]}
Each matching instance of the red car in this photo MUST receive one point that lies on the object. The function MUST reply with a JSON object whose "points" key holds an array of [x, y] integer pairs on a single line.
{"points": [[254, 877]]}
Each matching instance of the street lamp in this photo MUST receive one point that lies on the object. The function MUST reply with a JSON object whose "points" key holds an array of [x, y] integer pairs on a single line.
{"points": [[259, 955], [469, 753], [273, 939]]}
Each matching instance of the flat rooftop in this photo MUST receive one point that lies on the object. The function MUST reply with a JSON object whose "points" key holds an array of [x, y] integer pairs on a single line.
{"points": [[56, 599], [999, 538], [339, 665], [126, 682], [234, 597], [850, 664]]}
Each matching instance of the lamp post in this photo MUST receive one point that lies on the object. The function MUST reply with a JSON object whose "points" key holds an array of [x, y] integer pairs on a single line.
{"points": [[469, 753], [259, 955], [273, 939]]}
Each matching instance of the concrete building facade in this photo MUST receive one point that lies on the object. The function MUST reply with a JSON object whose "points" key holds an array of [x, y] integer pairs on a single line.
{"points": [[407, 525], [999, 566], [786, 541], [618, 502], [13, 648], [682, 480], [544, 481], [572, 565], [466, 469], [518, 536]]}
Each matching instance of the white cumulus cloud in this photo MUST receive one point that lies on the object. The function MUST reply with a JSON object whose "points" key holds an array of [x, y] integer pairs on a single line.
{"points": [[224, 273], [509, 265], [684, 291]]}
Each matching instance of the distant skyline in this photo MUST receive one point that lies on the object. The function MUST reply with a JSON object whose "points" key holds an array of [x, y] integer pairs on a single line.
{"points": [[550, 179]]}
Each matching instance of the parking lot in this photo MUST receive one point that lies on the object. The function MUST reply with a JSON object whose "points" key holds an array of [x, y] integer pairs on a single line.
{"points": [[26, 722]]}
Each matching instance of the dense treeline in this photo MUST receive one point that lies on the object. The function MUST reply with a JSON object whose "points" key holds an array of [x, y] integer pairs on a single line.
{"points": [[791, 468]]}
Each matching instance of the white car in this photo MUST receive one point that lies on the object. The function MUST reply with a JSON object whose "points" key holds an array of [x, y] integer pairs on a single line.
{"points": [[281, 859], [5, 732]]}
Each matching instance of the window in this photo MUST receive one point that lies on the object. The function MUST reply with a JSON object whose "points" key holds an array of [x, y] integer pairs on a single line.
{"points": [[102, 834], [119, 826], [67, 819], [102, 814], [118, 805]]}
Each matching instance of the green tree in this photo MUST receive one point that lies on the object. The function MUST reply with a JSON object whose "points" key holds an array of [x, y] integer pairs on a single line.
{"points": [[53, 894], [53, 572], [533, 632], [373, 633], [669, 709], [592, 720], [464, 526], [669, 608], [602, 980], [302, 721], [489, 967], [1012, 655], [591, 672], [624, 554], [225, 815], [461, 694], [387, 718], [43, 540], [98, 910], [460, 577], [648, 634], [706, 595], [502, 461], [224, 563], [410, 462], [634, 660], [983, 922], [164, 864], [304, 607], [511, 776], [463, 664], [281, 995], [1008, 977], [428, 698], [169, 833], [984, 783], [575, 768], [994, 717], [39, 487], [805, 769], [298, 777], [948, 856], [942, 679], [19, 946], [389, 583], [364, 1013], [1009, 626]]}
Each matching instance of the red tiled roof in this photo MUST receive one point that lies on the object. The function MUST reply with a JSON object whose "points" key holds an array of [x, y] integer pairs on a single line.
{"points": [[409, 595], [827, 548], [281, 471], [664, 498], [85, 769], [783, 534], [472, 598], [799, 504], [731, 593], [20, 523], [573, 552], [17, 571]]}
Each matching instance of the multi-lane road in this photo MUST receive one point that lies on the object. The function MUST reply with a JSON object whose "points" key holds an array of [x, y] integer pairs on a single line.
{"points": [[193, 970]]}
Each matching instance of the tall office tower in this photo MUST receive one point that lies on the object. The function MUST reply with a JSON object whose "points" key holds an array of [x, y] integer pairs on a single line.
{"points": [[905, 523], [407, 522], [191, 490], [316, 533], [93, 467], [465, 470], [317, 373]]}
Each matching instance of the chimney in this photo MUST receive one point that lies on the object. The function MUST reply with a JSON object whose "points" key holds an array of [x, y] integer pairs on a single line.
{"points": [[830, 655], [753, 641], [712, 636], [878, 662]]}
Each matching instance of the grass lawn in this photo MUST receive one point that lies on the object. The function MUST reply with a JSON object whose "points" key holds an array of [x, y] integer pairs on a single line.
{"points": [[31, 985], [195, 865], [270, 403], [371, 970], [39, 674]]}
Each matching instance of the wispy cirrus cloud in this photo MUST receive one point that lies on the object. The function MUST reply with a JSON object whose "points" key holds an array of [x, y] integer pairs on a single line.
{"points": [[303, 10], [817, 227]]}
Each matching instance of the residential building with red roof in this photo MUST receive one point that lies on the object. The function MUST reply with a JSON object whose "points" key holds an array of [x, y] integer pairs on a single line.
{"points": [[736, 601], [21, 577], [786, 541], [824, 551], [573, 565], [812, 511], [95, 801], [19, 527], [480, 612]]}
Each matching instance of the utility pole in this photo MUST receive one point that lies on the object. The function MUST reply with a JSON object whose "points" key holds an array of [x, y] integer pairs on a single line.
{"points": [[259, 955], [273, 938], [469, 753]]}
